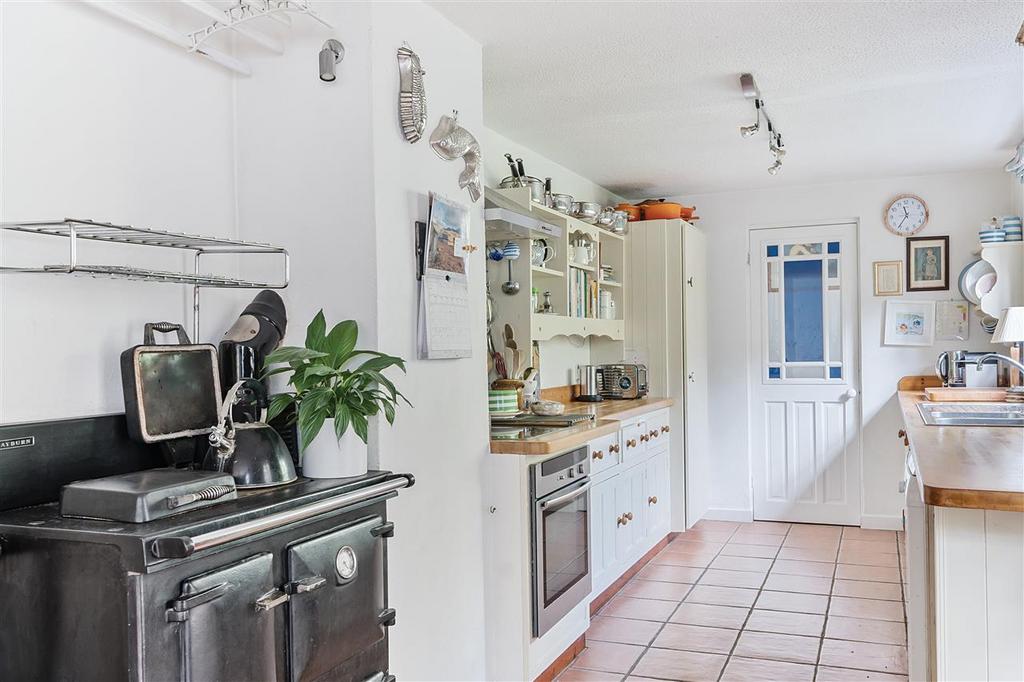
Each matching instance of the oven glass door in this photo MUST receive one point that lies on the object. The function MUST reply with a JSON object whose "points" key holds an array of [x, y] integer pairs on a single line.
{"points": [[564, 541]]}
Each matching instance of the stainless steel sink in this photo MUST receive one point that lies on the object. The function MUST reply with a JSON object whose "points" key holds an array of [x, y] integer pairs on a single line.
{"points": [[972, 414]]}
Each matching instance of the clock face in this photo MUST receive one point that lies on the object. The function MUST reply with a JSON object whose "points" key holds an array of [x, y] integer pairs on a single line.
{"points": [[907, 215]]}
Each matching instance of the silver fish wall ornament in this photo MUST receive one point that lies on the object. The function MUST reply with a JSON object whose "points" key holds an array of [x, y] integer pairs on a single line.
{"points": [[451, 141], [412, 96]]}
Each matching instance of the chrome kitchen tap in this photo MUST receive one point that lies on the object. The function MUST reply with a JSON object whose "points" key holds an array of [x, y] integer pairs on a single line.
{"points": [[996, 357]]}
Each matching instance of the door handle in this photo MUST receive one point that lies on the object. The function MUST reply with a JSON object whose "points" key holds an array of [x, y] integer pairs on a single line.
{"points": [[691, 377], [271, 600], [313, 582], [850, 394], [690, 281]]}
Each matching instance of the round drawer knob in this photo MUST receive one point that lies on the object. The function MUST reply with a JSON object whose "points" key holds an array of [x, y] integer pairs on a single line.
{"points": [[653, 499], [598, 454]]}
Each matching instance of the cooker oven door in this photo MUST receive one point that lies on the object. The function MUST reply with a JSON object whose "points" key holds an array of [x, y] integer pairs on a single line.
{"points": [[338, 609], [561, 554], [226, 621]]}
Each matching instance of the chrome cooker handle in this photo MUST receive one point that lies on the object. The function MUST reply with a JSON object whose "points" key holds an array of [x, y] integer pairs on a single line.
{"points": [[180, 547], [566, 497]]}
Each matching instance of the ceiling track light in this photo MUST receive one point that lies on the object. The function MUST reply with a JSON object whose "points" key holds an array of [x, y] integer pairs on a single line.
{"points": [[775, 146]]}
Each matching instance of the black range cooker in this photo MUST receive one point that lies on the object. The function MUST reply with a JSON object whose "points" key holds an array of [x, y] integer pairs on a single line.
{"points": [[284, 583]]}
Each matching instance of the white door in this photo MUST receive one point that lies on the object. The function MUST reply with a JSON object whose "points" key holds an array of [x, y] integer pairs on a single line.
{"points": [[695, 380], [804, 374]]}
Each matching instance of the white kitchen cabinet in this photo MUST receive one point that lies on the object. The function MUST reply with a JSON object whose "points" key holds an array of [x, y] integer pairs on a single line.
{"points": [[604, 454], [603, 533], [629, 491], [657, 519], [667, 330]]}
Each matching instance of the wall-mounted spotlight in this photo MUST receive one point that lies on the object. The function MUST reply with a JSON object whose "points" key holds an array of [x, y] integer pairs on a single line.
{"points": [[331, 55], [751, 91]]}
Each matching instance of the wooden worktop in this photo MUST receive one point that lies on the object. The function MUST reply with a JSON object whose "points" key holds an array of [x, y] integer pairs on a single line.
{"points": [[975, 467], [608, 415]]}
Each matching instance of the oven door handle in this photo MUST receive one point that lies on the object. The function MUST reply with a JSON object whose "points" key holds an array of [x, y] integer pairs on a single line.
{"points": [[566, 497], [181, 547]]}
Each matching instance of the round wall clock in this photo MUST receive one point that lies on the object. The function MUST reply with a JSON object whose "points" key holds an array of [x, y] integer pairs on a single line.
{"points": [[906, 215]]}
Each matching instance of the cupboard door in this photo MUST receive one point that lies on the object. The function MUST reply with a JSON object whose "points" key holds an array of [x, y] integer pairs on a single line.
{"points": [[603, 532], [695, 368], [656, 496], [629, 513]]}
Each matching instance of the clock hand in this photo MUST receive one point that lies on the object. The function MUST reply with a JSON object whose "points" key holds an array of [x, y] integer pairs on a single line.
{"points": [[901, 222]]}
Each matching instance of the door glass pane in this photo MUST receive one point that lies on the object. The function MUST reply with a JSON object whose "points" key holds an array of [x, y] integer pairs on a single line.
{"points": [[808, 249], [773, 311], [803, 301], [835, 372], [805, 371], [833, 300], [565, 547], [833, 268]]}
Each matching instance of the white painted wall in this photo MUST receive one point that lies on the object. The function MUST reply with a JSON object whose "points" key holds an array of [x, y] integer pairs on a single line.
{"points": [[959, 203], [562, 355]]}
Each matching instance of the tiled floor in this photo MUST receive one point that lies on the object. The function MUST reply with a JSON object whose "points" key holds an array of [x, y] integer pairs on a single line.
{"points": [[757, 601]]}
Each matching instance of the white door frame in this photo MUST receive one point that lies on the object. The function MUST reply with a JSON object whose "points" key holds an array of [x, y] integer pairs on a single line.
{"points": [[753, 335]]}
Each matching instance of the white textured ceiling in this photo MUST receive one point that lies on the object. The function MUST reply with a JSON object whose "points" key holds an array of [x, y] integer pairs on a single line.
{"points": [[644, 98]]}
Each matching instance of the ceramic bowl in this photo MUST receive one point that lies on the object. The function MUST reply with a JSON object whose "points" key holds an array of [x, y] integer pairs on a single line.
{"points": [[547, 408]]}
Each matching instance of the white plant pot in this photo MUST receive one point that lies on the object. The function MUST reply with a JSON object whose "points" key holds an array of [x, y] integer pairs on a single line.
{"points": [[325, 457]]}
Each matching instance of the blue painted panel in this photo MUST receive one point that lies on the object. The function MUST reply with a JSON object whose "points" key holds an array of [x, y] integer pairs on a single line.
{"points": [[774, 373], [835, 372], [773, 250], [833, 247], [804, 319]]}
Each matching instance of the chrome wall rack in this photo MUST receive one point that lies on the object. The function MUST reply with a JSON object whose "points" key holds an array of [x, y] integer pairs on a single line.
{"points": [[74, 229]]}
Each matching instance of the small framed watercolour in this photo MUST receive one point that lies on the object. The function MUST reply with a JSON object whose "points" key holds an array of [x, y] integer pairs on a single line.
{"points": [[888, 277], [927, 264], [909, 323]]}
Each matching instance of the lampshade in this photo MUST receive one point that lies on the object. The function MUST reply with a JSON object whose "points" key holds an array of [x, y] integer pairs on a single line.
{"points": [[1011, 326]]}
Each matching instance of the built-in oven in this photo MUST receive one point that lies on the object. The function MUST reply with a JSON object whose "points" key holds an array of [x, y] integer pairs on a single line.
{"points": [[560, 525]]}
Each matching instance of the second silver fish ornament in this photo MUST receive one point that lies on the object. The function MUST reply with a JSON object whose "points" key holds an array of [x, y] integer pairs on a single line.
{"points": [[412, 96], [451, 141]]}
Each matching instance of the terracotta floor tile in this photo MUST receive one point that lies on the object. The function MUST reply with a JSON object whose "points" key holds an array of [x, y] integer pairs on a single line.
{"points": [[755, 670], [763, 551], [884, 658], [816, 569], [622, 630], [803, 529], [581, 675], [695, 638], [868, 559], [704, 536], [710, 615], [875, 609], [742, 563], [868, 534], [716, 526], [714, 576], [825, 674], [812, 542], [694, 546], [668, 664], [869, 546], [608, 657], [641, 609], [779, 582], [775, 647], [724, 596], [799, 554], [683, 559], [792, 601], [769, 527], [867, 590], [742, 537], [864, 630], [670, 574], [786, 623], [655, 589], [880, 574]]}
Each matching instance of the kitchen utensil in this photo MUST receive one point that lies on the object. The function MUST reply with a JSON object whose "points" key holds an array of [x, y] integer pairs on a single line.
{"points": [[521, 168], [659, 209], [605, 217], [591, 377], [499, 365], [584, 251], [969, 277], [535, 184], [510, 253], [502, 401], [529, 373], [510, 339], [632, 212], [512, 166], [587, 211], [547, 191], [547, 408], [686, 212], [253, 453], [143, 496], [256, 332], [620, 222], [562, 202], [170, 391], [540, 252]]}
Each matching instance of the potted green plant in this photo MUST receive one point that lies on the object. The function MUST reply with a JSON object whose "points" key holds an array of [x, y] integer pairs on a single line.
{"points": [[335, 397]]}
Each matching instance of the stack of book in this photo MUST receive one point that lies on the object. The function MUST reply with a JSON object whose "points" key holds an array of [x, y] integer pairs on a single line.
{"points": [[582, 294]]}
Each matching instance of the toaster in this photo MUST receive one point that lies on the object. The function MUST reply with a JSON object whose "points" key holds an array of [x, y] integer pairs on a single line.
{"points": [[623, 382]]}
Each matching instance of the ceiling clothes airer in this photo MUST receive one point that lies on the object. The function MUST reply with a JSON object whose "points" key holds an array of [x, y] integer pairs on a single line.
{"points": [[751, 91], [451, 141], [412, 95], [1016, 164]]}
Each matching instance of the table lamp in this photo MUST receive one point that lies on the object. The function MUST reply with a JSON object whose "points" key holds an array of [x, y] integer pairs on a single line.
{"points": [[1010, 330]]}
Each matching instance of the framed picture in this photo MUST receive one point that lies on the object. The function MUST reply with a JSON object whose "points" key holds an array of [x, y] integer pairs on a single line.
{"points": [[888, 277], [927, 264], [952, 320], [909, 323]]}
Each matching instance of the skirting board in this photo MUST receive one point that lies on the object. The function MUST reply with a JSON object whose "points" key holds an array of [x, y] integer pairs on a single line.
{"points": [[729, 514], [881, 522]]}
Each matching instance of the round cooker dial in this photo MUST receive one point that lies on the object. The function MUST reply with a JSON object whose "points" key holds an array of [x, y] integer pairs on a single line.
{"points": [[345, 563]]}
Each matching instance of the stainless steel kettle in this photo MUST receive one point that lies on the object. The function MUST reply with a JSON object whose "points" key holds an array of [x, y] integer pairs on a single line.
{"points": [[253, 453]]}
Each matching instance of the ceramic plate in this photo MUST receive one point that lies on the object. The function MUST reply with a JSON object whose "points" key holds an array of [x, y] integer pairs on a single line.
{"points": [[985, 284], [969, 277]]}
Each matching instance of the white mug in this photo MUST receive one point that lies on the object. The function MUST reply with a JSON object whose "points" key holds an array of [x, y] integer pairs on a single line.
{"points": [[583, 253]]}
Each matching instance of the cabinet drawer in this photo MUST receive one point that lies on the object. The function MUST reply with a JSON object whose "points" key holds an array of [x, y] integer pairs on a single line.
{"points": [[604, 453], [658, 427], [634, 439]]}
